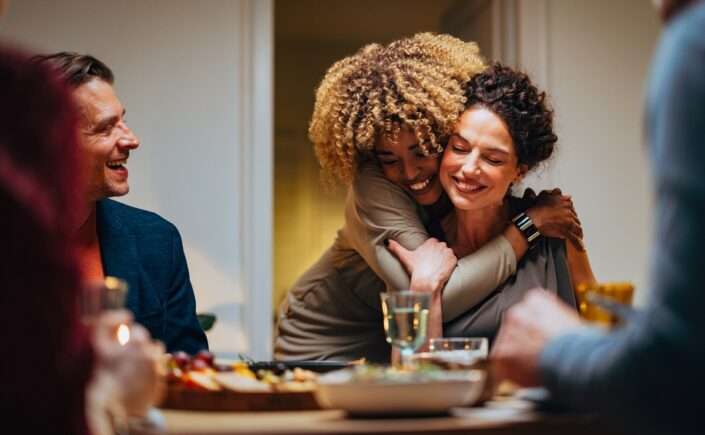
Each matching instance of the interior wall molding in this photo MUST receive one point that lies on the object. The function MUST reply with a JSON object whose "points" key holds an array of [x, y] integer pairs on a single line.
{"points": [[256, 176], [504, 31], [533, 38], [460, 13], [463, 16]]}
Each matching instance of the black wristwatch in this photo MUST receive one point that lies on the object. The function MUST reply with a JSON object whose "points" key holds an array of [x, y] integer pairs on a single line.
{"points": [[526, 226]]}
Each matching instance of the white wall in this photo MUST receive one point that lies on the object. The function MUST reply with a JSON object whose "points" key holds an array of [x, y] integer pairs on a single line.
{"points": [[195, 78], [593, 58]]}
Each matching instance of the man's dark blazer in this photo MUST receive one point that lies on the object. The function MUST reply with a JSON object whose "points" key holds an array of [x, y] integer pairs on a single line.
{"points": [[144, 249]]}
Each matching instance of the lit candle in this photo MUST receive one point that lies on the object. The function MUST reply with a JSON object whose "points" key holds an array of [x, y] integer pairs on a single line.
{"points": [[123, 334]]}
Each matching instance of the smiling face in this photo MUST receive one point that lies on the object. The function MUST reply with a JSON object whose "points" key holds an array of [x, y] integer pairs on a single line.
{"points": [[105, 139], [480, 161], [405, 165]]}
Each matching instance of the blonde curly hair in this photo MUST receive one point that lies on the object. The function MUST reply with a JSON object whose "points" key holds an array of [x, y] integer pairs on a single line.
{"points": [[416, 82]]}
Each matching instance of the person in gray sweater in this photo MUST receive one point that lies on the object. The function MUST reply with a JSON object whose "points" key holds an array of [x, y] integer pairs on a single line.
{"points": [[646, 375]]}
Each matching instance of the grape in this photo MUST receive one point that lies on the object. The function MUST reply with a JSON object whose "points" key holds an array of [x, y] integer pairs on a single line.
{"points": [[199, 364], [182, 360], [205, 356]]}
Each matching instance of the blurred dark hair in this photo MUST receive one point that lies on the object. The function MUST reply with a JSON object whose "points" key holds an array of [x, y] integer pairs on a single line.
{"points": [[77, 69], [511, 95], [47, 358]]}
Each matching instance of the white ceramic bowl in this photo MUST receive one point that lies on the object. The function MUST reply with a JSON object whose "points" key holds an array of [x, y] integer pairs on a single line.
{"points": [[417, 397]]}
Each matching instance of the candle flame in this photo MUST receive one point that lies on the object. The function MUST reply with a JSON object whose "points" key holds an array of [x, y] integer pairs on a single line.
{"points": [[123, 334]]}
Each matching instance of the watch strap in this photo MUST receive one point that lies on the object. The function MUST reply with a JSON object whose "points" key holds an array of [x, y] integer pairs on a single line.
{"points": [[526, 226]]}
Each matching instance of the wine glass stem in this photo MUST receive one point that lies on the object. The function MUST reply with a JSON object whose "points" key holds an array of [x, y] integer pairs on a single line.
{"points": [[406, 353]]}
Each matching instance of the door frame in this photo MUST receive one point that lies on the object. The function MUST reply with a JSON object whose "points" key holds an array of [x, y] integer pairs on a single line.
{"points": [[256, 205]]}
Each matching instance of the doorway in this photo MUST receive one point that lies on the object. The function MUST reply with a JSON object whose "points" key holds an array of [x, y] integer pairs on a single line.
{"points": [[310, 36]]}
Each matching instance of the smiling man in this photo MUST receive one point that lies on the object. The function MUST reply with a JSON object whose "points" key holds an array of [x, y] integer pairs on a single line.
{"points": [[118, 240]]}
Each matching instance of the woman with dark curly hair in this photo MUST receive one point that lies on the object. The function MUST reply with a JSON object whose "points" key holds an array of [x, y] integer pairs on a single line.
{"points": [[506, 131], [380, 121]]}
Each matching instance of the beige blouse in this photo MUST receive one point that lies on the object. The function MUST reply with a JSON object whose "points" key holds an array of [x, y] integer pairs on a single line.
{"points": [[333, 311]]}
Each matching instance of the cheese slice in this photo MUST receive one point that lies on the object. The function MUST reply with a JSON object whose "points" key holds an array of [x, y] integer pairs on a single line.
{"points": [[237, 382]]}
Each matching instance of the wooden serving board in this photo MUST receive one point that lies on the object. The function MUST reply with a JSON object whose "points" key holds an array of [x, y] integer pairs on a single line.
{"points": [[179, 397]]}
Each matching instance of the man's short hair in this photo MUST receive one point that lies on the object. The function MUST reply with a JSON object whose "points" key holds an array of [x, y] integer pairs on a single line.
{"points": [[77, 69]]}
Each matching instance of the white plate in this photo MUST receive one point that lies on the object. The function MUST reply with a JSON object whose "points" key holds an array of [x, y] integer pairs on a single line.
{"points": [[416, 396]]}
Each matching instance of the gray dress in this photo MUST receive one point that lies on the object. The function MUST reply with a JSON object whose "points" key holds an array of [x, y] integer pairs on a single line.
{"points": [[544, 266]]}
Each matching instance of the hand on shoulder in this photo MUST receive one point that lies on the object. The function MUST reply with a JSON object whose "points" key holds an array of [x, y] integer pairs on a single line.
{"points": [[430, 265]]}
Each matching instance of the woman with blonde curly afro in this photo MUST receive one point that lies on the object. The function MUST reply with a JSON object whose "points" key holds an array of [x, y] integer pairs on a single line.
{"points": [[380, 123]]}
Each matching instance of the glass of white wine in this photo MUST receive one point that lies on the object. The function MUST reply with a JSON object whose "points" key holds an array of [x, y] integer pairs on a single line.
{"points": [[405, 316], [105, 295]]}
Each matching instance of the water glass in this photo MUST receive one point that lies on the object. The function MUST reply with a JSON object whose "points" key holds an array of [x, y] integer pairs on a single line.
{"points": [[460, 350], [405, 317]]}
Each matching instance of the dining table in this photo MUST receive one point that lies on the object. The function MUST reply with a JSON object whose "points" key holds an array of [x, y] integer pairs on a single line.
{"points": [[503, 416]]}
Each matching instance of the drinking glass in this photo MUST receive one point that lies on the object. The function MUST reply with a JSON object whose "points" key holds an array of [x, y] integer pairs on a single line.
{"points": [[602, 303], [136, 415], [105, 295], [405, 316], [459, 350]]}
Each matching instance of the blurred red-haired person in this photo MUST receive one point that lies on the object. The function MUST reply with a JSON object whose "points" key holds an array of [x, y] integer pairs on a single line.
{"points": [[48, 359], [52, 363]]}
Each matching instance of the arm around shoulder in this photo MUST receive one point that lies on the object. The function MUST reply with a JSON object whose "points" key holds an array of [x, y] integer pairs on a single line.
{"points": [[376, 211]]}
